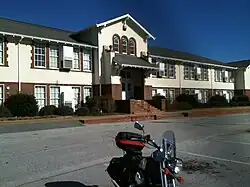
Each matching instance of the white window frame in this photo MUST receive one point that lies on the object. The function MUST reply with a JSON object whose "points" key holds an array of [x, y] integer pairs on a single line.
{"points": [[2, 51], [45, 98], [74, 99], [76, 59], [124, 39], [116, 38], [39, 45], [53, 56], [130, 42], [50, 88], [91, 90], [171, 100], [89, 60], [2, 98], [154, 92]]}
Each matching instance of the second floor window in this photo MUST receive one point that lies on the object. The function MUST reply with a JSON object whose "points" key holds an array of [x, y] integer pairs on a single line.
{"points": [[132, 46], [54, 57], [76, 60], [116, 43], [39, 54], [1, 52], [167, 70], [124, 45], [86, 60]]}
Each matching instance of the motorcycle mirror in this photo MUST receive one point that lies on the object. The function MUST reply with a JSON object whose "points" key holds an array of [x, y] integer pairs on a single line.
{"points": [[139, 126]]}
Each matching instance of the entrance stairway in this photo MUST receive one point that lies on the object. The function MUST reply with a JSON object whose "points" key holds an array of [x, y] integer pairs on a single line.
{"points": [[142, 107]]}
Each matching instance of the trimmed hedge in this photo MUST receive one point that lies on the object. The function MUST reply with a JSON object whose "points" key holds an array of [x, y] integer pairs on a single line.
{"points": [[22, 105], [218, 101], [190, 99], [184, 106], [82, 111], [4, 112], [241, 100], [64, 111], [48, 110]]}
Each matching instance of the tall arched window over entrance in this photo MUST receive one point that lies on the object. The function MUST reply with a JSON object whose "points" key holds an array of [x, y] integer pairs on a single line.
{"points": [[116, 43], [124, 45], [132, 46]]}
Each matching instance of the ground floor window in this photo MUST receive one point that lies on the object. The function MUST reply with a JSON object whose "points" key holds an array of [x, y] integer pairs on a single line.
{"points": [[76, 97], [1, 94], [87, 92], [171, 96], [40, 95], [154, 92], [55, 96]]}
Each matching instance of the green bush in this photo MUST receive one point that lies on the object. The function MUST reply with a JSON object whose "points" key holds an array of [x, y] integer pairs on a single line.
{"points": [[22, 105], [107, 105], [241, 100], [82, 111], [218, 101], [4, 112], [183, 106], [64, 111], [95, 111], [234, 104], [90, 102], [48, 110], [190, 99]]}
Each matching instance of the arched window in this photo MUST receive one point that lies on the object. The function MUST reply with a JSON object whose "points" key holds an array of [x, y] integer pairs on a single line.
{"points": [[124, 45], [132, 46], [116, 43]]}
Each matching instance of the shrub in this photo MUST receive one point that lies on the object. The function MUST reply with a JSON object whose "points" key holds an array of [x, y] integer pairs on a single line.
{"points": [[218, 101], [22, 105], [190, 99], [4, 112], [82, 111], [183, 106], [107, 105], [90, 102], [242, 100], [95, 111], [64, 111], [234, 104], [48, 110]]}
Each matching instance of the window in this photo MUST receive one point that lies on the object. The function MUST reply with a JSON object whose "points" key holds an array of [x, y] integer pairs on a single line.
{"points": [[55, 96], [204, 96], [40, 95], [86, 60], [204, 74], [167, 70], [1, 52], [165, 93], [154, 92], [124, 45], [87, 92], [171, 96], [39, 55], [171, 71], [199, 73], [116, 43], [186, 72], [76, 62], [132, 46], [76, 95], [54, 57], [1, 94], [154, 72]]}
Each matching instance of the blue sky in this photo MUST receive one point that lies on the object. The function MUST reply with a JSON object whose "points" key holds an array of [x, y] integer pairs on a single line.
{"points": [[218, 29]]}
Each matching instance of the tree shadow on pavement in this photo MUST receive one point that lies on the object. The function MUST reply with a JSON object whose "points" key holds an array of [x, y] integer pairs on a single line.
{"points": [[67, 184]]}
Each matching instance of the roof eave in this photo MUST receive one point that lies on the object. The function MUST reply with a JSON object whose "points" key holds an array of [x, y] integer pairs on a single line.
{"points": [[195, 62], [122, 17], [47, 39]]}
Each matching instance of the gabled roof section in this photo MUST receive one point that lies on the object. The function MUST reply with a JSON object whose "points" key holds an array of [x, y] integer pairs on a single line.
{"points": [[124, 17], [179, 55], [28, 30], [240, 64]]}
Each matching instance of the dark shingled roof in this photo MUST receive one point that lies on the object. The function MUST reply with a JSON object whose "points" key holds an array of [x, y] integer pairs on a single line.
{"points": [[18, 27], [164, 52], [242, 63], [132, 61]]}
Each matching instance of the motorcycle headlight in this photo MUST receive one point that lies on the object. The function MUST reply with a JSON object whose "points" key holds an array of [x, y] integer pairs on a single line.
{"points": [[178, 166], [177, 170]]}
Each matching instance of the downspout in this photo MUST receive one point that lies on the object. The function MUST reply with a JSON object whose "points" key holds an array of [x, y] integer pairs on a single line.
{"points": [[18, 65], [180, 79]]}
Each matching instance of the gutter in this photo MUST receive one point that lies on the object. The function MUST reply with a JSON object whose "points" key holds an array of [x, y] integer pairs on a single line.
{"points": [[47, 39], [190, 61]]}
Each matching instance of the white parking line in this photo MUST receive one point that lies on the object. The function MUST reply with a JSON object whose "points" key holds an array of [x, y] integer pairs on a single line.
{"points": [[215, 158], [234, 142]]}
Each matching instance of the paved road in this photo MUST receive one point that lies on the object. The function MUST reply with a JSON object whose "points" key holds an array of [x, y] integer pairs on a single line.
{"points": [[216, 152]]}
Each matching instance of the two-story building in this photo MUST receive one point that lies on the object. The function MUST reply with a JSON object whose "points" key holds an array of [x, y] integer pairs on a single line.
{"points": [[112, 58]]}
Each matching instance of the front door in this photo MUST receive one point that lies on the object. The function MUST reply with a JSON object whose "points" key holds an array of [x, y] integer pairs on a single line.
{"points": [[127, 86]]}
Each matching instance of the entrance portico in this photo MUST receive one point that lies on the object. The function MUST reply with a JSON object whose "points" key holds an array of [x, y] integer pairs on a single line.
{"points": [[132, 71]]}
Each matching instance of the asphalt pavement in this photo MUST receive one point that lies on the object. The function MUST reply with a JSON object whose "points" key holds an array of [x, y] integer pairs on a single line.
{"points": [[216, 152]]}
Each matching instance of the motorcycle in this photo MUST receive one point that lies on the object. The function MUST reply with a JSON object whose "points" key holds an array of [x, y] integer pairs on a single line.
{"points": [[135, 170]]}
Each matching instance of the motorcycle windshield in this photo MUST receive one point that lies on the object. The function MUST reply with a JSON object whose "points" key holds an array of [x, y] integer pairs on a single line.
{"points": [[168, 144]]}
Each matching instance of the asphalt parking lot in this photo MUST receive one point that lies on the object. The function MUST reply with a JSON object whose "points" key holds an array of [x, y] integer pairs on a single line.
{"points": [[216, 152]]}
